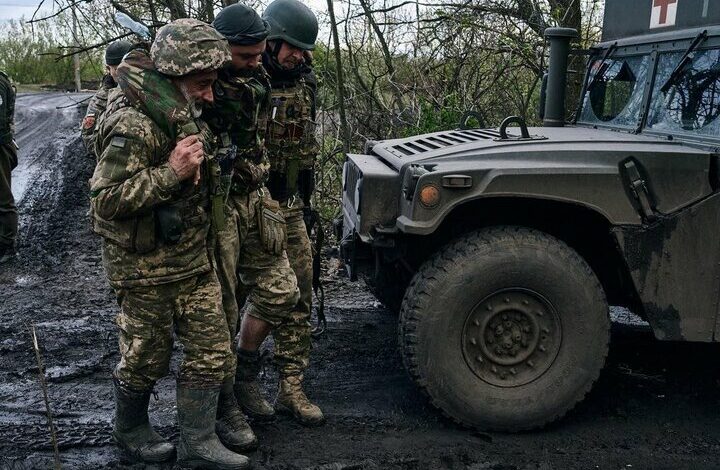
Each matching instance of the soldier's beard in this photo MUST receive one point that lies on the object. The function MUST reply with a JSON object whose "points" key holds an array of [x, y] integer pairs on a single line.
{"points": [[194, 105]]}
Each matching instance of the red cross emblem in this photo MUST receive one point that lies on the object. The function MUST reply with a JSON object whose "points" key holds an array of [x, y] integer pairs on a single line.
{"points": [[664, 5]]}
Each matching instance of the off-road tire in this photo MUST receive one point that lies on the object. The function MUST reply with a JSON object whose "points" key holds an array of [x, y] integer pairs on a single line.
{"points": [[452, 288]]}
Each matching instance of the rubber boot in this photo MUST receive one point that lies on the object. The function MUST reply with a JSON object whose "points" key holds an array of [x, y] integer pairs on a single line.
{"points": [[132, 430], [231, 427], [247, 388], [199, 446], [291, 399]]}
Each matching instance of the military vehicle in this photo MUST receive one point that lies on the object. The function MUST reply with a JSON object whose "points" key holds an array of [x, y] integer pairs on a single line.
{"points": [[506, 246]]}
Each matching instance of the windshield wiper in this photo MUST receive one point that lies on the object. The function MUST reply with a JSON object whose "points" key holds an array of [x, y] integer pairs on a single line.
{"points": [[604, 65], [686, 57]]}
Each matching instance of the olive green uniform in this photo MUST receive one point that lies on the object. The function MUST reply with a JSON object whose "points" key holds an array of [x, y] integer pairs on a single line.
{"points": [[8, 161], [163, 283], [96, 107], [240, 111], [292, 148]]}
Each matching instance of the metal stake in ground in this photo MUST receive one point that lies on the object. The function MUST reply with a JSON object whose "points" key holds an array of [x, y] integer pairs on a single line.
{"points": [[43, 384]]}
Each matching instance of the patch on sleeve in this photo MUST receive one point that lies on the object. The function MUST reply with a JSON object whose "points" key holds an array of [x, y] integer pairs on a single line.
{"points": [[89, 121], [118, 142]]}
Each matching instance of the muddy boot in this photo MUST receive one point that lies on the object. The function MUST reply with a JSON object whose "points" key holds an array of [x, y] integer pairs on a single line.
{"points": [[199, 446], [232, 429], [291, 399], [132, 430], [247, 389]]}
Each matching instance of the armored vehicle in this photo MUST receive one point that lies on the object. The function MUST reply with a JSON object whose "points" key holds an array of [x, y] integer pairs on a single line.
{"points": [[504, 247]]}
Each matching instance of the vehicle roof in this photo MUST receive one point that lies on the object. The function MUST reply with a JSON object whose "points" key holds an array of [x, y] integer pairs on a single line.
{"points": [[633, 18]]}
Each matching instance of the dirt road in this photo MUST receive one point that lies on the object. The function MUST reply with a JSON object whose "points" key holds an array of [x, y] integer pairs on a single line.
{"points": [[656, 405]]}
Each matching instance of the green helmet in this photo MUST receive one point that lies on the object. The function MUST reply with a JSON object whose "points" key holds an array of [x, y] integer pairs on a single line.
{"points": [[188, 46], [116, 51], [292, 22]]}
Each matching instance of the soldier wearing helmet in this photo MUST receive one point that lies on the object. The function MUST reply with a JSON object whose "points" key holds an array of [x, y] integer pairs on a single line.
{"points": [[113, 56], [292, 148], [250, 251], [152, 196]]}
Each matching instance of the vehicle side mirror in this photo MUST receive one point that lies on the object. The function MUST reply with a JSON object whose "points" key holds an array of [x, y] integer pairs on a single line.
{"points": [[543, 97]]}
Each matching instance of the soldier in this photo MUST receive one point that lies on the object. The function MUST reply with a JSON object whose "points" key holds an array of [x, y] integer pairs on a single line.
{"points": [[251, 251], [151, 198], [8, 161], [292, 148], [113, 56]]}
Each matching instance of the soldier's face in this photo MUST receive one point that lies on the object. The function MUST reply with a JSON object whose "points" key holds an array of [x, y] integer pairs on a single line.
{"points": [[247, 57], [290, 56], [197, 89], [112, 70]]}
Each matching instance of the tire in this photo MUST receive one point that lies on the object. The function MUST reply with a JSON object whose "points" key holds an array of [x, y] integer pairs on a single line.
{"points": [[505, 329]]}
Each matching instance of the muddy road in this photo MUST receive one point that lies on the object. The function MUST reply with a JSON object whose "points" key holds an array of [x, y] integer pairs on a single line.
{"points": [[655, 406]]}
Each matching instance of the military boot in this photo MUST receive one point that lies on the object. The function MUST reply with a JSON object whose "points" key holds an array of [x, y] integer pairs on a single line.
{"points": [[292, 399], [199, 446], [247, 388], [232, 429], [132, 430]]}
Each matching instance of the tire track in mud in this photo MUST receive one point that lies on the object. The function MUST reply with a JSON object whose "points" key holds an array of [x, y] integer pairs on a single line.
{"points": [[655, 406]]}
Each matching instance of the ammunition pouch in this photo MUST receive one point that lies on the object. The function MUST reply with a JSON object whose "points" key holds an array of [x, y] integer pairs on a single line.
{"points": [[272, 226], [170, 224]]}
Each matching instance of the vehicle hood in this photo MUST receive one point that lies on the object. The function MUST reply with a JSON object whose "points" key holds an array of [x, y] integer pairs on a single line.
{"points": [[457, 145]]}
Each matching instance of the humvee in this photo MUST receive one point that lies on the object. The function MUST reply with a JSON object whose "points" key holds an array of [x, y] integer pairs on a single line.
{"points": [[503, 248]]}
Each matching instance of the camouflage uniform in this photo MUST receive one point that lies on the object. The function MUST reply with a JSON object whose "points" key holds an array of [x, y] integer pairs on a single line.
{"points": [[292, 148], [161, 282], [96, 107], [8, 161], [240, 111]]}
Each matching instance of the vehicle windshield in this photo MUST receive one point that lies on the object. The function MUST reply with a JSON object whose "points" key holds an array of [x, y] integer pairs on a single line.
{"points": [[614, 95], [692, 104]]}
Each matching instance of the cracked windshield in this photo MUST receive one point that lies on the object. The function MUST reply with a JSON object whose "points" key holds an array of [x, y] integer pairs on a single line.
{"points": [[692, 103], [615, 91]]}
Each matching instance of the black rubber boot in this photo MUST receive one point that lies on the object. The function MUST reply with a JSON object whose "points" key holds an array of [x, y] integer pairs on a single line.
{"points": [[132, 430], [231, 427], [199, 446], [247, 389]]}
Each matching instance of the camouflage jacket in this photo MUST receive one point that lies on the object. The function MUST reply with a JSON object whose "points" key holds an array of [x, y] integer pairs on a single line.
{"points": [[96, 108], [7, 108], [241, 108], [133, 184]]}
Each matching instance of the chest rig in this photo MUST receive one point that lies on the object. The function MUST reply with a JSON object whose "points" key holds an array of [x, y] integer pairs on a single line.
{"points": [[292, 144]]}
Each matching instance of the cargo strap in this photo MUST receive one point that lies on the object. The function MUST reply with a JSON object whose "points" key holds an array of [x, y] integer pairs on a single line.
{"points": [[318, 288]]}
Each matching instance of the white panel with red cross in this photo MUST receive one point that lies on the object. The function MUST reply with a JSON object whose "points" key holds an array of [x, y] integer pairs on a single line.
{"points": [[663, 13]]}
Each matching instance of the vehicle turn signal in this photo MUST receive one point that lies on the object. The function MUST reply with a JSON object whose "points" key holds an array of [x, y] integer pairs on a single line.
{"points": [[429, 195]]}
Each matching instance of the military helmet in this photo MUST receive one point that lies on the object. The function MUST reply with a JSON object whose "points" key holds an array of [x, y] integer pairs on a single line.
{"points": [[188, 46], [240, 25], [116, 51], [292, 22]]}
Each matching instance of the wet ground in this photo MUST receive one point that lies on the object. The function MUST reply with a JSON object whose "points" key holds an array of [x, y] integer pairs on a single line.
{"points": [[655, 406]]}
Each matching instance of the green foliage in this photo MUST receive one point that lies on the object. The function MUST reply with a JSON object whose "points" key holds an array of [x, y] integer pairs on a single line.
{"points": [[30, 56]]}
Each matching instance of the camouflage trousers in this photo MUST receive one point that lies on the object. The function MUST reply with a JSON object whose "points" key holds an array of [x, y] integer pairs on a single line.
{"points": [[267, 280], [192, 308], [292, 335], [8, 212]]}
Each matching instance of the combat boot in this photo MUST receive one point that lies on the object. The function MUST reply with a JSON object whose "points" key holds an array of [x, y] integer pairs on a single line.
{"points": [[247, 388], [231, 427], [132, 430], [292, 399], [199, 446]]}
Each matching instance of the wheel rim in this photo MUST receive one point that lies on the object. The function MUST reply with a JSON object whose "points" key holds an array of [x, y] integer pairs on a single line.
{"points": [[511, 337]]}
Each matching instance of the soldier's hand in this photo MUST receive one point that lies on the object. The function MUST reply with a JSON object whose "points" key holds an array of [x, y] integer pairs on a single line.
{"points": [[186, 157]]}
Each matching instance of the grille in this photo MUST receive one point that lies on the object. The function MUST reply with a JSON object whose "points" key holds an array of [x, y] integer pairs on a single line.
{"points": [[352, 176], [438, 141]]}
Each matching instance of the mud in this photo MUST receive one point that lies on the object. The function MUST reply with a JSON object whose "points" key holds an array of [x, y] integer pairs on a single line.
{"points": [[655, 406]]}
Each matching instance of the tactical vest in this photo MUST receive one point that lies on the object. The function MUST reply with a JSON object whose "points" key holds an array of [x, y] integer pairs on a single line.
{"points": [[292, 143]]}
